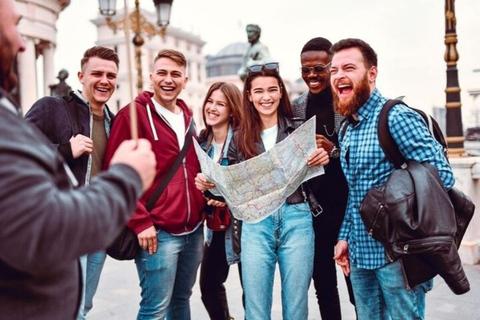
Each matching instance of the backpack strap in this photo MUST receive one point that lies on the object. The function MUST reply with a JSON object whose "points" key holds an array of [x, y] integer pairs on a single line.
{"points": [[389, 145], [385, 138]]}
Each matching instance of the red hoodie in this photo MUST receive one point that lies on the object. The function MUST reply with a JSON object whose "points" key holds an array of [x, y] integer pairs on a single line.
{"points": [[179, 208]]}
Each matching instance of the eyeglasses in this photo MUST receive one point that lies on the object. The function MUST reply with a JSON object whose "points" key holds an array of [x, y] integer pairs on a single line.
{"points": [[319, 68], [267, 66]]}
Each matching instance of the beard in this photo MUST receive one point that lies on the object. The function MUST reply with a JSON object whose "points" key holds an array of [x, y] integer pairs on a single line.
{"points": [[8, 81], [361, 93], [8, 78]]}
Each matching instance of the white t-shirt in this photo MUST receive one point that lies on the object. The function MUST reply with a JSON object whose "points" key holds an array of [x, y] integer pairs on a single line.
{"points": [[176, 121], [269, 137], [217, 150]]}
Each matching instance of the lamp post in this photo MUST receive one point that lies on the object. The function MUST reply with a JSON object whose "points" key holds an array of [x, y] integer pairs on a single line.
{"points": [[138, 25], [455, 137]]}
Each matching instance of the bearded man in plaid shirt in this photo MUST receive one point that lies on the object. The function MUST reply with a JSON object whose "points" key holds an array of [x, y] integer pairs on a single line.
{"points": [[380, 289]]}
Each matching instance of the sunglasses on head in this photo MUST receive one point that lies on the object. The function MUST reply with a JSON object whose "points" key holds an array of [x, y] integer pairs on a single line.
{"points": [[319, 68], [267, 66]]}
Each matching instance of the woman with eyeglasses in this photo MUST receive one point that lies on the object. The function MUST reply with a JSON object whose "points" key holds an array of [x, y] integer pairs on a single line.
{"points": [[222, 113], [287, 235]]}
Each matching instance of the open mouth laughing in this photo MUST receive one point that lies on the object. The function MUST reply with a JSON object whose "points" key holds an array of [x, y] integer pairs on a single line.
{"points": [[344, 89]]}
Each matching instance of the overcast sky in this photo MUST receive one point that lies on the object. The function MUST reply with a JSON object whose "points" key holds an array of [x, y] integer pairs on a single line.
{"points": [[407, 35]]}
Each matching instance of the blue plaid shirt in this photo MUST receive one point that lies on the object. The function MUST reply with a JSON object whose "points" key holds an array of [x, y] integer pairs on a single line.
{"points": [[366, 166]]}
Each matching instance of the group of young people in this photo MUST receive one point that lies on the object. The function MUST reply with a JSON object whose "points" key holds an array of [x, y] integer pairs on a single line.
{"points": [[300, 236], [342, 94]]}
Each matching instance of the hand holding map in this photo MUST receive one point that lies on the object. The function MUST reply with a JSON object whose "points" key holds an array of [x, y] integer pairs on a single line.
{"points": [[257, 187]]}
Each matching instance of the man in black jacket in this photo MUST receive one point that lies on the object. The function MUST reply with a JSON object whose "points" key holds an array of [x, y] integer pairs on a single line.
{"points": [[79, 125], [330, 189], [46, 225]]}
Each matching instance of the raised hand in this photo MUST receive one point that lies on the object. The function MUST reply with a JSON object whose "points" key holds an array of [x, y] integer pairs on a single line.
{"points": [[81, 144]]}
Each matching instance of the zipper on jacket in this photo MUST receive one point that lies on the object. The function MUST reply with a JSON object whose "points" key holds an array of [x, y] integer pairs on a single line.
{"points": [[150, 119], [189, 209], [416, 246], [189, 205], [89, 161], [404, 275], [389, 258], [370, 232]]}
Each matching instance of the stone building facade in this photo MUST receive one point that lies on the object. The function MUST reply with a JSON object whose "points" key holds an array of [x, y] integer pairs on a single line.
{"points": [[37, 27]]}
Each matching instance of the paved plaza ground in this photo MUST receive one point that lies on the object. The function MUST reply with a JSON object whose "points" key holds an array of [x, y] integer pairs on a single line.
{"points": [[118, 296]]}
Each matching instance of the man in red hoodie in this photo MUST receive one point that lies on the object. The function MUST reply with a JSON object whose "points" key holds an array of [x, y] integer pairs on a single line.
{"points": [[171, 234]]}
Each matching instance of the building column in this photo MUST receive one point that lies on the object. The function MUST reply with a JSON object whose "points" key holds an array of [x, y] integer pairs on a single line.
{"points": [[28, 74], [48, 68]]}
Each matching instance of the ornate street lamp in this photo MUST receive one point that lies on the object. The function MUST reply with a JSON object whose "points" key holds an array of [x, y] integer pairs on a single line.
{"points": [[107, 7], [455, 137], [163, 8], [138, 24]]}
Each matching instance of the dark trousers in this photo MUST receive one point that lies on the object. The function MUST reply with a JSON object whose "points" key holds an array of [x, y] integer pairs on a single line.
{"points": [[326, 227], [213, 274]]}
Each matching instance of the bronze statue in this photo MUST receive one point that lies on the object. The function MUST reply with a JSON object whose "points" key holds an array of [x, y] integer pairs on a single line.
{"points": [[257, 53], [61, 88]]}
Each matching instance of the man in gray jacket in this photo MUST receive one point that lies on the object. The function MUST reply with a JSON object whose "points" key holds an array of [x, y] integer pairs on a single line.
{"points": [[46, 225]]}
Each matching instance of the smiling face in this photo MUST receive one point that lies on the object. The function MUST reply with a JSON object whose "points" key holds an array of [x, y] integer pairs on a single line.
{"points": [[216, 109], [99, 79], [265, 94], [168, 80], [351, 81], [316, 82]]}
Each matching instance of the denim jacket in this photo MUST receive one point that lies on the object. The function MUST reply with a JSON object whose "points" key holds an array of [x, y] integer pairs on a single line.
{"points": [[235, 226]]}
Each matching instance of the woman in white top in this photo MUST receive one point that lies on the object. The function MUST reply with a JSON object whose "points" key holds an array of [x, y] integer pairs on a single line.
{"points": [[287, 235]]}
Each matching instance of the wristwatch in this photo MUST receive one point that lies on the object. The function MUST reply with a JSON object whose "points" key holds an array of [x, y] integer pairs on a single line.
{"points": [[335, 153]]}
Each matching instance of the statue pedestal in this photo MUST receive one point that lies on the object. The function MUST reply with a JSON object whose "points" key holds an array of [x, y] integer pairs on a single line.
{"points": [[467, 179]]}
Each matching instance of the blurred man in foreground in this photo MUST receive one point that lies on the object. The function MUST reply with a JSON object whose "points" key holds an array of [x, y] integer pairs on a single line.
{"points": [[46, 225]]}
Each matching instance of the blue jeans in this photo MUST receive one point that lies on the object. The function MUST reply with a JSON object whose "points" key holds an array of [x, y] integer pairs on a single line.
{"points": [[167, 276], [92, 265], [285, 236], [382, 294]]}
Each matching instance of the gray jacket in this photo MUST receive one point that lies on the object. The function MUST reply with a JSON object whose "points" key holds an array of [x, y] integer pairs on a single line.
{"points": [[46, 225], [299, 108]]}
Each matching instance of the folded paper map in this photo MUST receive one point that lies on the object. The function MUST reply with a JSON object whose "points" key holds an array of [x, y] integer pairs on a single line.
{"points": [[257, 187]]}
